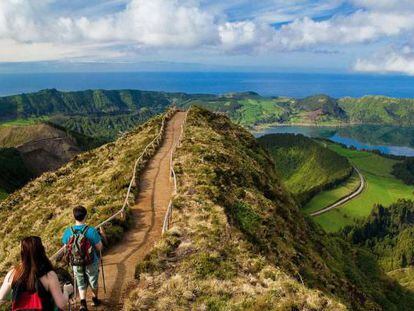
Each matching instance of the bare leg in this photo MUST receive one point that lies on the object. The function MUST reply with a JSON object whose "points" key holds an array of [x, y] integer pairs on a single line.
{"points": [[82, 294]]}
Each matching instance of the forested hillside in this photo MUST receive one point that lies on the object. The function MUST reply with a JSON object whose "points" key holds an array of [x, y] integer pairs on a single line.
{"points": [[239, 242], [306, 166], [389, 233]]}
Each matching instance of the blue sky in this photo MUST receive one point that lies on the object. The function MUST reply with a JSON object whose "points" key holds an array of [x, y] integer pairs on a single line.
{"points": [[374, 36]]}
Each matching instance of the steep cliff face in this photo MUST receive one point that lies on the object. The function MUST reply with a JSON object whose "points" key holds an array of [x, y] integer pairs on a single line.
{"points": [[239, 241]]}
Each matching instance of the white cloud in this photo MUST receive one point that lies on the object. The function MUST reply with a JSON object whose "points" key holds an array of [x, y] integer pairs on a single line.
{"points": [[245, 36], [17, 20], [153, 23], [395, 5], [362, 26], [392, 61], [31, 30]]}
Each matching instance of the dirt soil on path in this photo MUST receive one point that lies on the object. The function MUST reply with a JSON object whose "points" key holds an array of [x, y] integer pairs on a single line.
{"points": [[148, 213]]}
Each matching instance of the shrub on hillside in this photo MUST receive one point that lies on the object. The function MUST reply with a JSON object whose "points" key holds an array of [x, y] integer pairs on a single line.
{"points": [[405, 171]]}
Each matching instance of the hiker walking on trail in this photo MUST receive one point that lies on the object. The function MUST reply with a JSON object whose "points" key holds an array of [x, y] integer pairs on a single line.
{"points": [[82, 246], [33, 284]]}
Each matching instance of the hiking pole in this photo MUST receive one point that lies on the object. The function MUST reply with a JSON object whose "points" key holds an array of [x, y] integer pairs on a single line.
{"points": [[75, 287], [69, 302], [103, 273]]}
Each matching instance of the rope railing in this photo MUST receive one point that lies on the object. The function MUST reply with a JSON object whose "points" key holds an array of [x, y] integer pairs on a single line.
{"points": [[155, 142], [168, 214]]}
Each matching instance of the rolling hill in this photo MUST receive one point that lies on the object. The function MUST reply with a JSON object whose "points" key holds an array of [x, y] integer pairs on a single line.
{"points": [[305, 166], [252, 110], [101, 114], [104, 113], [52, 102], [319, 108], [379, 110], [239, 242]]}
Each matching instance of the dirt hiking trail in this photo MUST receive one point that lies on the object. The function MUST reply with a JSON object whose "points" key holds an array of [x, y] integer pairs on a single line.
{"points": [[148, 213]]}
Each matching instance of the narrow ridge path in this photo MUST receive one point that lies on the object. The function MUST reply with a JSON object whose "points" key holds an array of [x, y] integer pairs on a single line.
{"points": [[148, 213]]}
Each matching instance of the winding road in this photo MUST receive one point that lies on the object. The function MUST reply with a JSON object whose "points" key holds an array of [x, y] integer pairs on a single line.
{"points": [[148, 213], [346, 199]]}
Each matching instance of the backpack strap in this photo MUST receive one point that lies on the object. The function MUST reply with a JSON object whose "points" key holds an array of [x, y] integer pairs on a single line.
{"points": [[84, 230], [72, 230]]}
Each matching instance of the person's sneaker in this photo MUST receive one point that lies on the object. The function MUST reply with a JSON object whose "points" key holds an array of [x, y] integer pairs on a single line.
{"points": [[83, 305], [95, 302]]}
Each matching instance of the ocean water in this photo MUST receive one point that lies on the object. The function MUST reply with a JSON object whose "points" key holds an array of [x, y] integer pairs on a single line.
{"points": [[267, 84]]}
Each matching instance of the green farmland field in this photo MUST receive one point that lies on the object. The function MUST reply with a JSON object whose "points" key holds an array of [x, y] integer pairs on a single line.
{"points": [[381, 187]]}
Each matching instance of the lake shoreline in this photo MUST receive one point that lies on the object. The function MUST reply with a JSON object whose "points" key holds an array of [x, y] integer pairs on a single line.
{"points": [[262, 127], [389, 140]]}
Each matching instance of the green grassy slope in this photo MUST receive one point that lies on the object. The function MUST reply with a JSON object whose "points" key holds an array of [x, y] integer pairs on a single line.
{"points": [[382, 188], [258, 111], [306, 166], [97, 179], [239, 242], [379, 109], [319, 109], [404, 276]]}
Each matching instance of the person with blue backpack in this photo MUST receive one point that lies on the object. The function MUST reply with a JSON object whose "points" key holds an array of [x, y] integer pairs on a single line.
{"points": [[83, 244]]}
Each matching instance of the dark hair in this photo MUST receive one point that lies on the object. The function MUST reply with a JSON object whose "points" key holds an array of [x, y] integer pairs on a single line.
{"points": [[80, 212], [34, 259]]}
